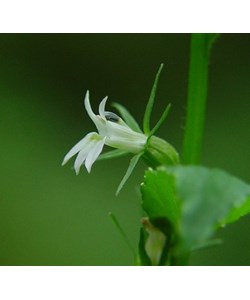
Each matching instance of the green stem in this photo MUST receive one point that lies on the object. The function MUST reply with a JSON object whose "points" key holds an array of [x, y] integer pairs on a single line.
{"points": [[197, 96]]}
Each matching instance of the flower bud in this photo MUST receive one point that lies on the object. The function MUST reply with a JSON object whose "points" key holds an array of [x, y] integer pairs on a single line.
{"points": [[159, 152]]}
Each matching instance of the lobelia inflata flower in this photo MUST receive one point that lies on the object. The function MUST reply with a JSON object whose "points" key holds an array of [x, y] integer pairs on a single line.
{"points": [[126, 136], [112, 131]]}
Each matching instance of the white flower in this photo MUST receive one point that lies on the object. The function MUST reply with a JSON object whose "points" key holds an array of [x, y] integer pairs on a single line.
{"points": [[112, 131]]}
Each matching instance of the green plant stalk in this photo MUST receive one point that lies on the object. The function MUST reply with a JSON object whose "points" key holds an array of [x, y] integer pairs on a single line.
{"points": [[197, 96]]}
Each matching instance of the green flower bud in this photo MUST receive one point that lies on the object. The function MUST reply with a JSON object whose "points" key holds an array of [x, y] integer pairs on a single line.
{"points": [[159, 152]]}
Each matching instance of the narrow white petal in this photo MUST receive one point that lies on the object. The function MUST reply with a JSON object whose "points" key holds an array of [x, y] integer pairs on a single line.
{"points": [[80, 145], [83, 154], [79, 160], [102, 107], [93, 154], [88, 107]]}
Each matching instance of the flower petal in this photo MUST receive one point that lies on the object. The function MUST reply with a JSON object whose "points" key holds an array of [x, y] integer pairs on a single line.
{"points": [[93, 154], [88, 107], [124, 138], [82, 155], [80, 159], [80, 145], [102, 107]]}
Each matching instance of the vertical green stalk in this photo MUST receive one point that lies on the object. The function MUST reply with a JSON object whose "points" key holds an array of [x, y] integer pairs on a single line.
{"points": [[197, 95]]}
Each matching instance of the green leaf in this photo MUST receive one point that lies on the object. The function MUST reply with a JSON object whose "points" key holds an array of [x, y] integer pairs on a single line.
{"points": [[208, 196], [238, 212], [161, 121], [127, 117], [133, 162], [201, 44], [159, 196], [112, 154], [204, 196], [150, 104]]}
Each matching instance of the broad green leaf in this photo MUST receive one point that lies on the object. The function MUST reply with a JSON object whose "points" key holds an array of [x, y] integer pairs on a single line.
{"points": [[112, 154], [127, 117], [205, 196], [133, 162], [208, 196], [150, 104], [159, 196], [161, 120]]}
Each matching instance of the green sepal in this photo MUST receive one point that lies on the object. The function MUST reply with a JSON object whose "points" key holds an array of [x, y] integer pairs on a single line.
{"points": [[127, 117], [112, 154], [161, 120], [133, 162], [150, 104]]}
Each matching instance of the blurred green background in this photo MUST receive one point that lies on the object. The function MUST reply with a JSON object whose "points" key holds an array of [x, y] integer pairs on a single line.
{"points": [[50, 216]]}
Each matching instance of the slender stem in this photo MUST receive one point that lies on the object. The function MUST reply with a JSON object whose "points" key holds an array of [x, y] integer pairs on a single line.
{"points": [[197, 96], [122, 232]]}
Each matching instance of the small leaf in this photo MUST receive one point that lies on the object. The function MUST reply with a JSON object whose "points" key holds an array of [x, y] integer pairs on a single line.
{"points": [[127, 117], [122, 232], [161, 121], [149, 107], [112, 154], [133, 162]]}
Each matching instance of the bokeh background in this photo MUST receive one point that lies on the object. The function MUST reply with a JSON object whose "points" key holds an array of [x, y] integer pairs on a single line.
{"points": [[50, 216]]}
